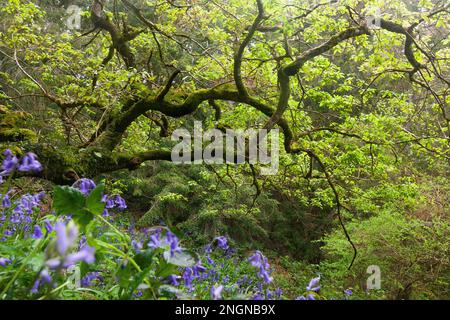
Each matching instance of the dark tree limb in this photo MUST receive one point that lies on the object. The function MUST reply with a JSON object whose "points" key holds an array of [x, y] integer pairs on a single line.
{"points": [[240, 51]]}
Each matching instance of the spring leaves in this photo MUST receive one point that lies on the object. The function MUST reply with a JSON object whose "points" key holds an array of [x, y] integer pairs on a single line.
{"points": [[71, 201]]}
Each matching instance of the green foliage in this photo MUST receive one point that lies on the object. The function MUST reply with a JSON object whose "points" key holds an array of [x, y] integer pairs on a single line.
{"points": [[365, 127], [413, 255]]}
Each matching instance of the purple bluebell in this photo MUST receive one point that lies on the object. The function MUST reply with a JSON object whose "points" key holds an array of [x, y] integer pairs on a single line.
{"points": [[44, 278], [256, 259], [137, 245], [348, 292], [120, 202], [216, 293], [110, 204], [84, 185], [210, 261], [172, 241], [314, 284], [154, 241], [90, 277], [197, 269], [48, 226], [4, 261], [208, 248], [188, 277], [222, 242], [6, 202], [265, 275], [29, 163], [278, 292], [65, 236], [9, 163], [37, 232], [173, 280], [85, 254], [105, 213]]}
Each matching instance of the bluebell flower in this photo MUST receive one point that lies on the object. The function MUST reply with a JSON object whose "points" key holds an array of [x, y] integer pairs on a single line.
{"points": [[314, 285], [256, 259], [84, 185], [257, 297], [87, 280], [85, 254], [154, 240], [310, 297], [9, 163], [172, 241], [44, 278], [66, 237], [173, 280], [137, 245], [210, 261], [222, 242], [300, 298], [188, 277], [208, 248], [120, 202], [278, 292], [105, 213], [48, 226], [29, 163], [348, 292], [216, 293], [37, 232], [264, 275], [4, 261], [6, 203], [197, 269], [110, 204]]}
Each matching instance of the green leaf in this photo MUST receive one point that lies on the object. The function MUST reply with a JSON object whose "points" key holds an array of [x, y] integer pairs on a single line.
{"points": [[83, 218], [165, 269], [94, 201], [68, 200], [144, 258]]}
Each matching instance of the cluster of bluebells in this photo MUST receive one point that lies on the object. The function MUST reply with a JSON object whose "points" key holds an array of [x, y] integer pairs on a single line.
{"points": [[19, 215], [111, 201], [27, 163], [259, 261], [217, 275], [169, 240], [63, 255]]}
